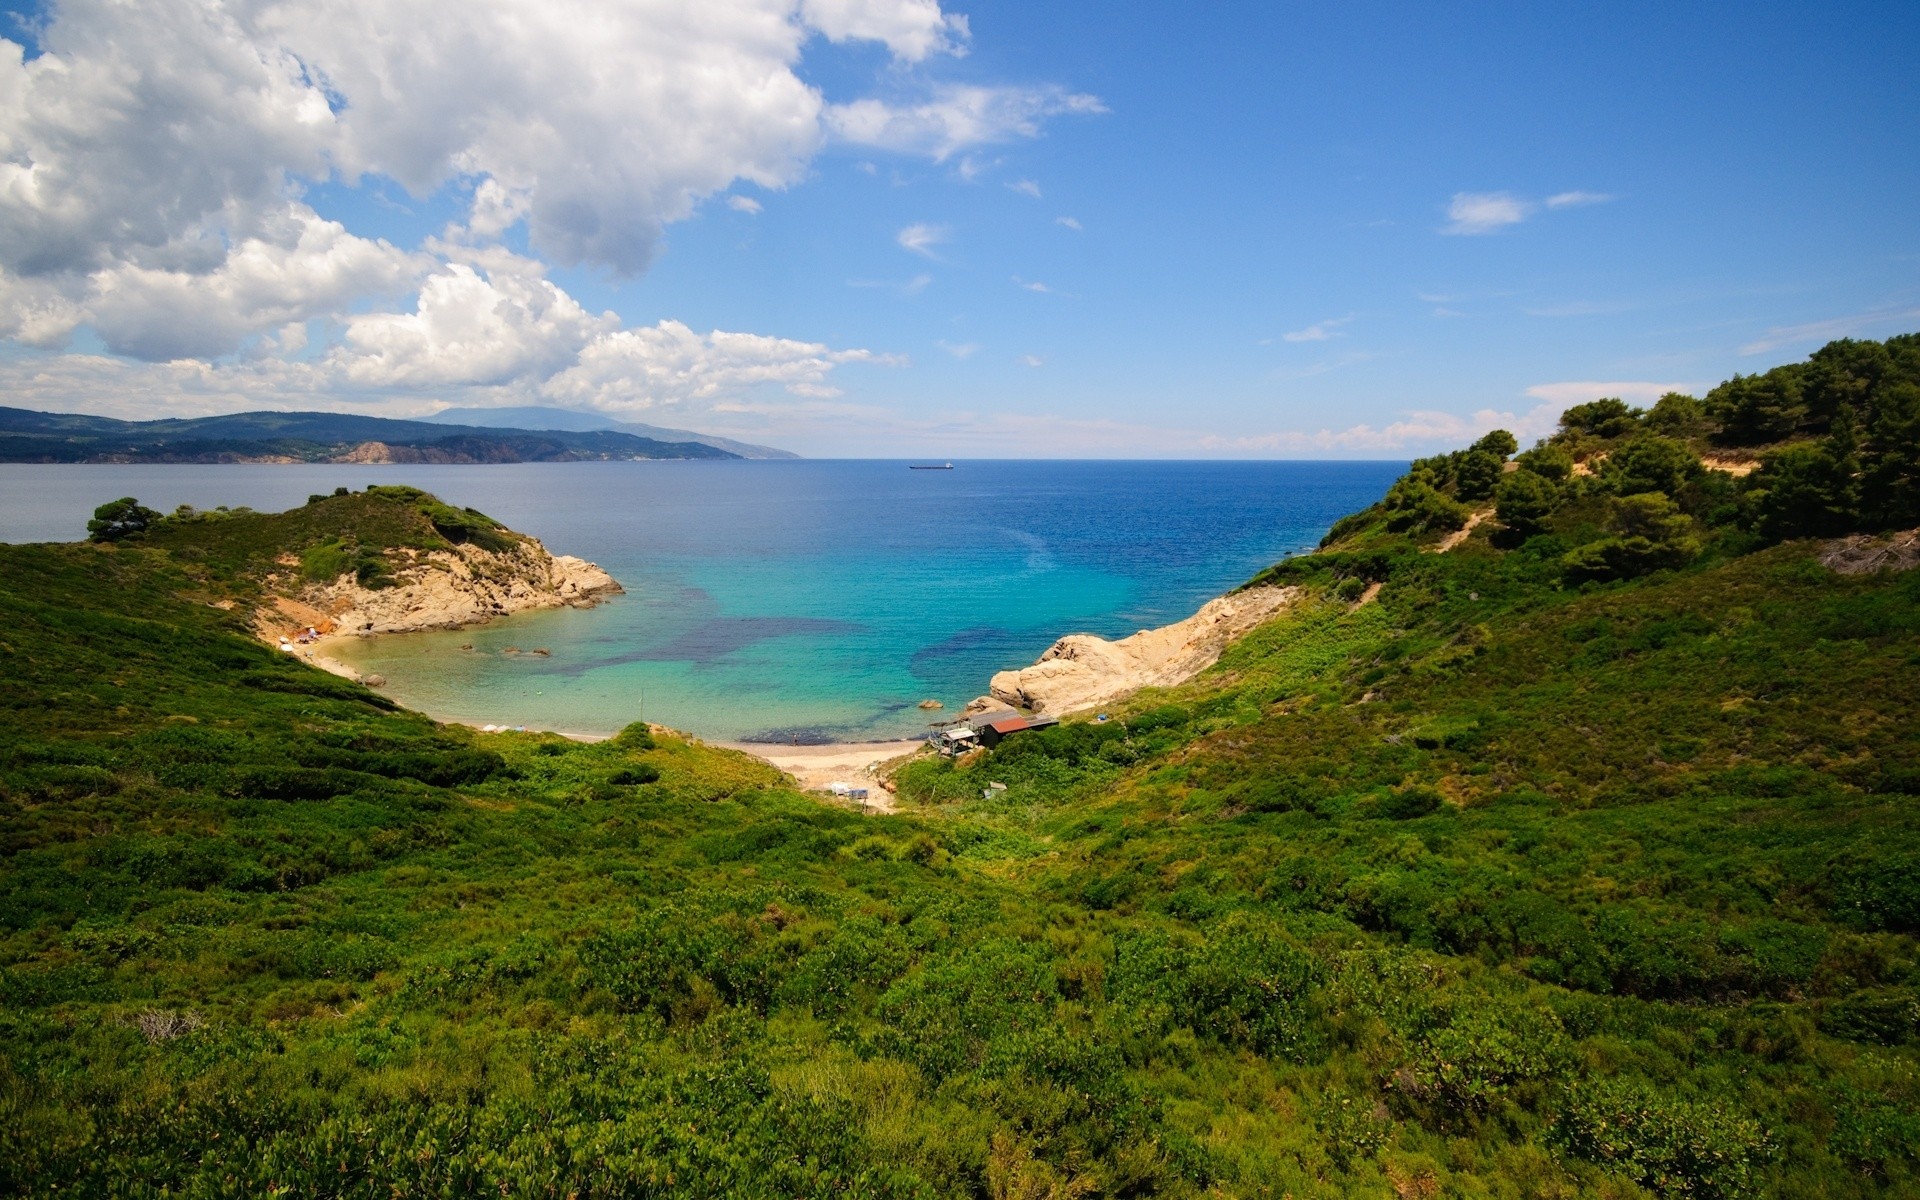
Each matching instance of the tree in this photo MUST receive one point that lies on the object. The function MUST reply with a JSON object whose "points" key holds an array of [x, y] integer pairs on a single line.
{"points": [[1805, 491], [1415, 505], [1890, 476], [1550, 462], [1677, 414], [1650, 463], [1475, 473], [1843, 373], [1608, 417], [1650, 534], [119, 519], [1498, 442], [1755, 409], [1524, 501]]}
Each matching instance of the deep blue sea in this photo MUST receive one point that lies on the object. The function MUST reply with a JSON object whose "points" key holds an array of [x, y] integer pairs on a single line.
{"points": [[818, 600]]}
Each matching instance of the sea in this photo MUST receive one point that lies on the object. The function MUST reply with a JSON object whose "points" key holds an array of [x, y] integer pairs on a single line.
{"points": [[803, 601]]}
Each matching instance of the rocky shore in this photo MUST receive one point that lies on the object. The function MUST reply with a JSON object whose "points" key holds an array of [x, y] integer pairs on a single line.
{"points": [[1081, 671], [436, 589]]}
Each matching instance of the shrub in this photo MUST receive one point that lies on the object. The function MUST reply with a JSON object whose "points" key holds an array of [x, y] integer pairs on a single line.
{"points": [[1672, 1146], [1409, 803], [326, 562], [635, 737]]}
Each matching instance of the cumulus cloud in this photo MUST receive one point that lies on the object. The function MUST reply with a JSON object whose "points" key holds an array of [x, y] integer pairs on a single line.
{"points": [[743, 204], [922, 238], [471, 328], [668, 363], [955, 117], [1026, 187], [912, 29], [154, 156], [1484, 212], [1070, 222]]}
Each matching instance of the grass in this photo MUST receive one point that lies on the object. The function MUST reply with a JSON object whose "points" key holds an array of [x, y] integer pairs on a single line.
{"points": [[1493, 886]]}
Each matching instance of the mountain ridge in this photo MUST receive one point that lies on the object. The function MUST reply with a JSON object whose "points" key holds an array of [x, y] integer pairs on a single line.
{"points": [[540, 417], [27, 435]]}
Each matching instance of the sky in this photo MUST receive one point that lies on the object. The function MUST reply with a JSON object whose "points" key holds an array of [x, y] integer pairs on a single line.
{"points": [[904, 228]]}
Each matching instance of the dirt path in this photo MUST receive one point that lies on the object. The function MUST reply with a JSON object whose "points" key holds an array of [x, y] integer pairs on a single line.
{"points": [[1461, 534]]}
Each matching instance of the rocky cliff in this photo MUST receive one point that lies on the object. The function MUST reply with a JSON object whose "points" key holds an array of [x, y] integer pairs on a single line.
{"points": [[1082, 671], [463, 585]]}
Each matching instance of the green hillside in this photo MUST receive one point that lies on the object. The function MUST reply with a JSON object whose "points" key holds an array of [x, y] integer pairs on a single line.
{"points": [[1580, 859], [39, 437]]}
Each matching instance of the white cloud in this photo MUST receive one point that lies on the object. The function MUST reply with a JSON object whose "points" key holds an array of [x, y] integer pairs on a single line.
{"points": [[496, 208], [959, 350], [1033, 285], [1318, 332], [1070, 222], [1032, 360], [1484, 212], [470, 328], [955, 117], [743, 204], [155, 153], [1579, 391], [296, 267], [1026, 187], [912, 29], [922, 238], [1859, 324], [1577, 199], [670, 364], [1473, 213]]}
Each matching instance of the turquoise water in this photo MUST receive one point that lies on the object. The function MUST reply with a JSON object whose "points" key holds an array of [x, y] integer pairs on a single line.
{"points": [[810, 600]]}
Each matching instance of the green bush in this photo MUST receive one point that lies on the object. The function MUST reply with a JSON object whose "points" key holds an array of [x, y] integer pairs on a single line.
{"points": [[1672, 1146]]}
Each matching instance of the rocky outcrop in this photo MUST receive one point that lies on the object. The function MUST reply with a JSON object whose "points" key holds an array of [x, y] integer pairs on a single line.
{"points": [[1082, 671], [466, 585]]}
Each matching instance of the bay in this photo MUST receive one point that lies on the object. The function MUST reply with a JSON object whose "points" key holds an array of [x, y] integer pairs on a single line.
{"points": [[812, 600]]}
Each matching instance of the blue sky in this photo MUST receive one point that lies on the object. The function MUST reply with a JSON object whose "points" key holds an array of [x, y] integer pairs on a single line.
{"points": [[1236, 230]]}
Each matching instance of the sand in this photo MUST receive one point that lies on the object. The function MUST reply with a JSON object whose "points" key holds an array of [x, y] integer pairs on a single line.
{"points": [[814, 767]]}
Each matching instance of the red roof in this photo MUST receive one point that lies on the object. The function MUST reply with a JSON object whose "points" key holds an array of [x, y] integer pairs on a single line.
{"points": [[1008, 725]]}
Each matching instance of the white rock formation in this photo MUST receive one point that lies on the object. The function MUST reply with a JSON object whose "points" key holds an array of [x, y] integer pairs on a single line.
{"points": [[445, 589], [1082, 671]]}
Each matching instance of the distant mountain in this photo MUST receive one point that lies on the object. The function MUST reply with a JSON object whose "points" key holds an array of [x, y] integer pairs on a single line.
{"points": [[303, 437], [537, 417]]}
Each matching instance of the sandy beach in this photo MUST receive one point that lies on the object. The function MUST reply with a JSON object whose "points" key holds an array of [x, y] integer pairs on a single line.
{"points": [[815, 767]]}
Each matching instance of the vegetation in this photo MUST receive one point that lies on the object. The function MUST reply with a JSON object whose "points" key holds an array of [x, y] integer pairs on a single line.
{"points": [[27, 436], [1581, 860]]}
